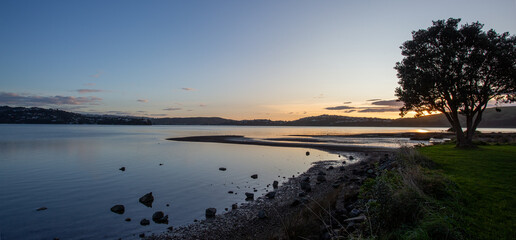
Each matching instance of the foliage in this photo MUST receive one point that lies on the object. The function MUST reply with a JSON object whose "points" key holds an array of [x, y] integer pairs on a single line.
{"points": [[407, 203], [456, 72]]}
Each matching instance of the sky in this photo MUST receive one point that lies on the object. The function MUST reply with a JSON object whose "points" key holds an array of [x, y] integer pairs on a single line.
{"points": [[278, 60]]}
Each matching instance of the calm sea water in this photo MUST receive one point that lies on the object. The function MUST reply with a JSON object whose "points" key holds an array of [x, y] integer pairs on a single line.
{"points": [[73, 171]]}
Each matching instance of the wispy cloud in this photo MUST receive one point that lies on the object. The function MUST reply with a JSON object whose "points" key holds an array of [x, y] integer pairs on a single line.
{"points": [[379, 109], [157, 115], [89, 84], [346, 103], [97, 75], [82, 91], [319, 96], [202, 105], [172, 109], [34, 100], [350, 111], [143, 100], [188, 89], [388, 103], [339, 108]]}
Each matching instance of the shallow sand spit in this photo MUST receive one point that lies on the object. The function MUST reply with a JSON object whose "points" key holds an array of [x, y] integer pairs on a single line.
{"points": [[235, 139]]}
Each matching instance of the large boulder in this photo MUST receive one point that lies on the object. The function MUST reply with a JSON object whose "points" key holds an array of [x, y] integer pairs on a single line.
{"points": [[210, 212], [147, 199], [120, 209]]}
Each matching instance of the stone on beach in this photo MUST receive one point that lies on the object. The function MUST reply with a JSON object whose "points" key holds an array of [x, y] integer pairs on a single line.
{"points": [[307, 153], [210, 212], [270, 195], [234, 206], [306, 186], [120, 209], [275, 184], [262, 214], [147, 199], [321, 178], [254, 176], [295, 203]]}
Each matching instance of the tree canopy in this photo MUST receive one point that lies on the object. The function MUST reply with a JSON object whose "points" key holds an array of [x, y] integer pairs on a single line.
{"points": [[456, 71]]}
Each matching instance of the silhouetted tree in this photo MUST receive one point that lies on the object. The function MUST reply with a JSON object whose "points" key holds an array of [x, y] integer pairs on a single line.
{"points": [[456, 72]]}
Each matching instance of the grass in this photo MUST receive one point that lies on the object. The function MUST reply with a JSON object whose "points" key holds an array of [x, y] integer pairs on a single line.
{"points": [[486, 180]]}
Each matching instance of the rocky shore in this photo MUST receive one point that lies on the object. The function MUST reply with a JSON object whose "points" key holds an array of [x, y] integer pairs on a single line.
{"points": [[273, 215]]}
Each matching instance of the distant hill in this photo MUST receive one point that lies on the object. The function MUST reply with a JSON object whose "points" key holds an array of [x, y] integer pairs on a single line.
{"points": [[36, 115], [506, 118]]}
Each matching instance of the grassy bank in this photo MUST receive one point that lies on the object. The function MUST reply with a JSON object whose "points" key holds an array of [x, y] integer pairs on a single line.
{"points": [[486, 180], [441, 192]]}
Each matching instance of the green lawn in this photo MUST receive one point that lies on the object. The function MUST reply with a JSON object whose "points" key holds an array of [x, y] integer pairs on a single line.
{"points": [[486, 178]]}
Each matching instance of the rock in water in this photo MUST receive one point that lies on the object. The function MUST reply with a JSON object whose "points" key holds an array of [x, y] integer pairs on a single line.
{"points": [[122, 169], [307, 153], [270, 195], [159, 217], [254, 176], [222, 169], [234, 206], [275, 184], [120, 209], [147, 199], [144, 222], [41, 209], [210, 212], [249, 196]]}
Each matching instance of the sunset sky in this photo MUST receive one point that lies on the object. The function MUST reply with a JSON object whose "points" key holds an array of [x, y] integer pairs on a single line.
{"points": [[278, 60]]}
